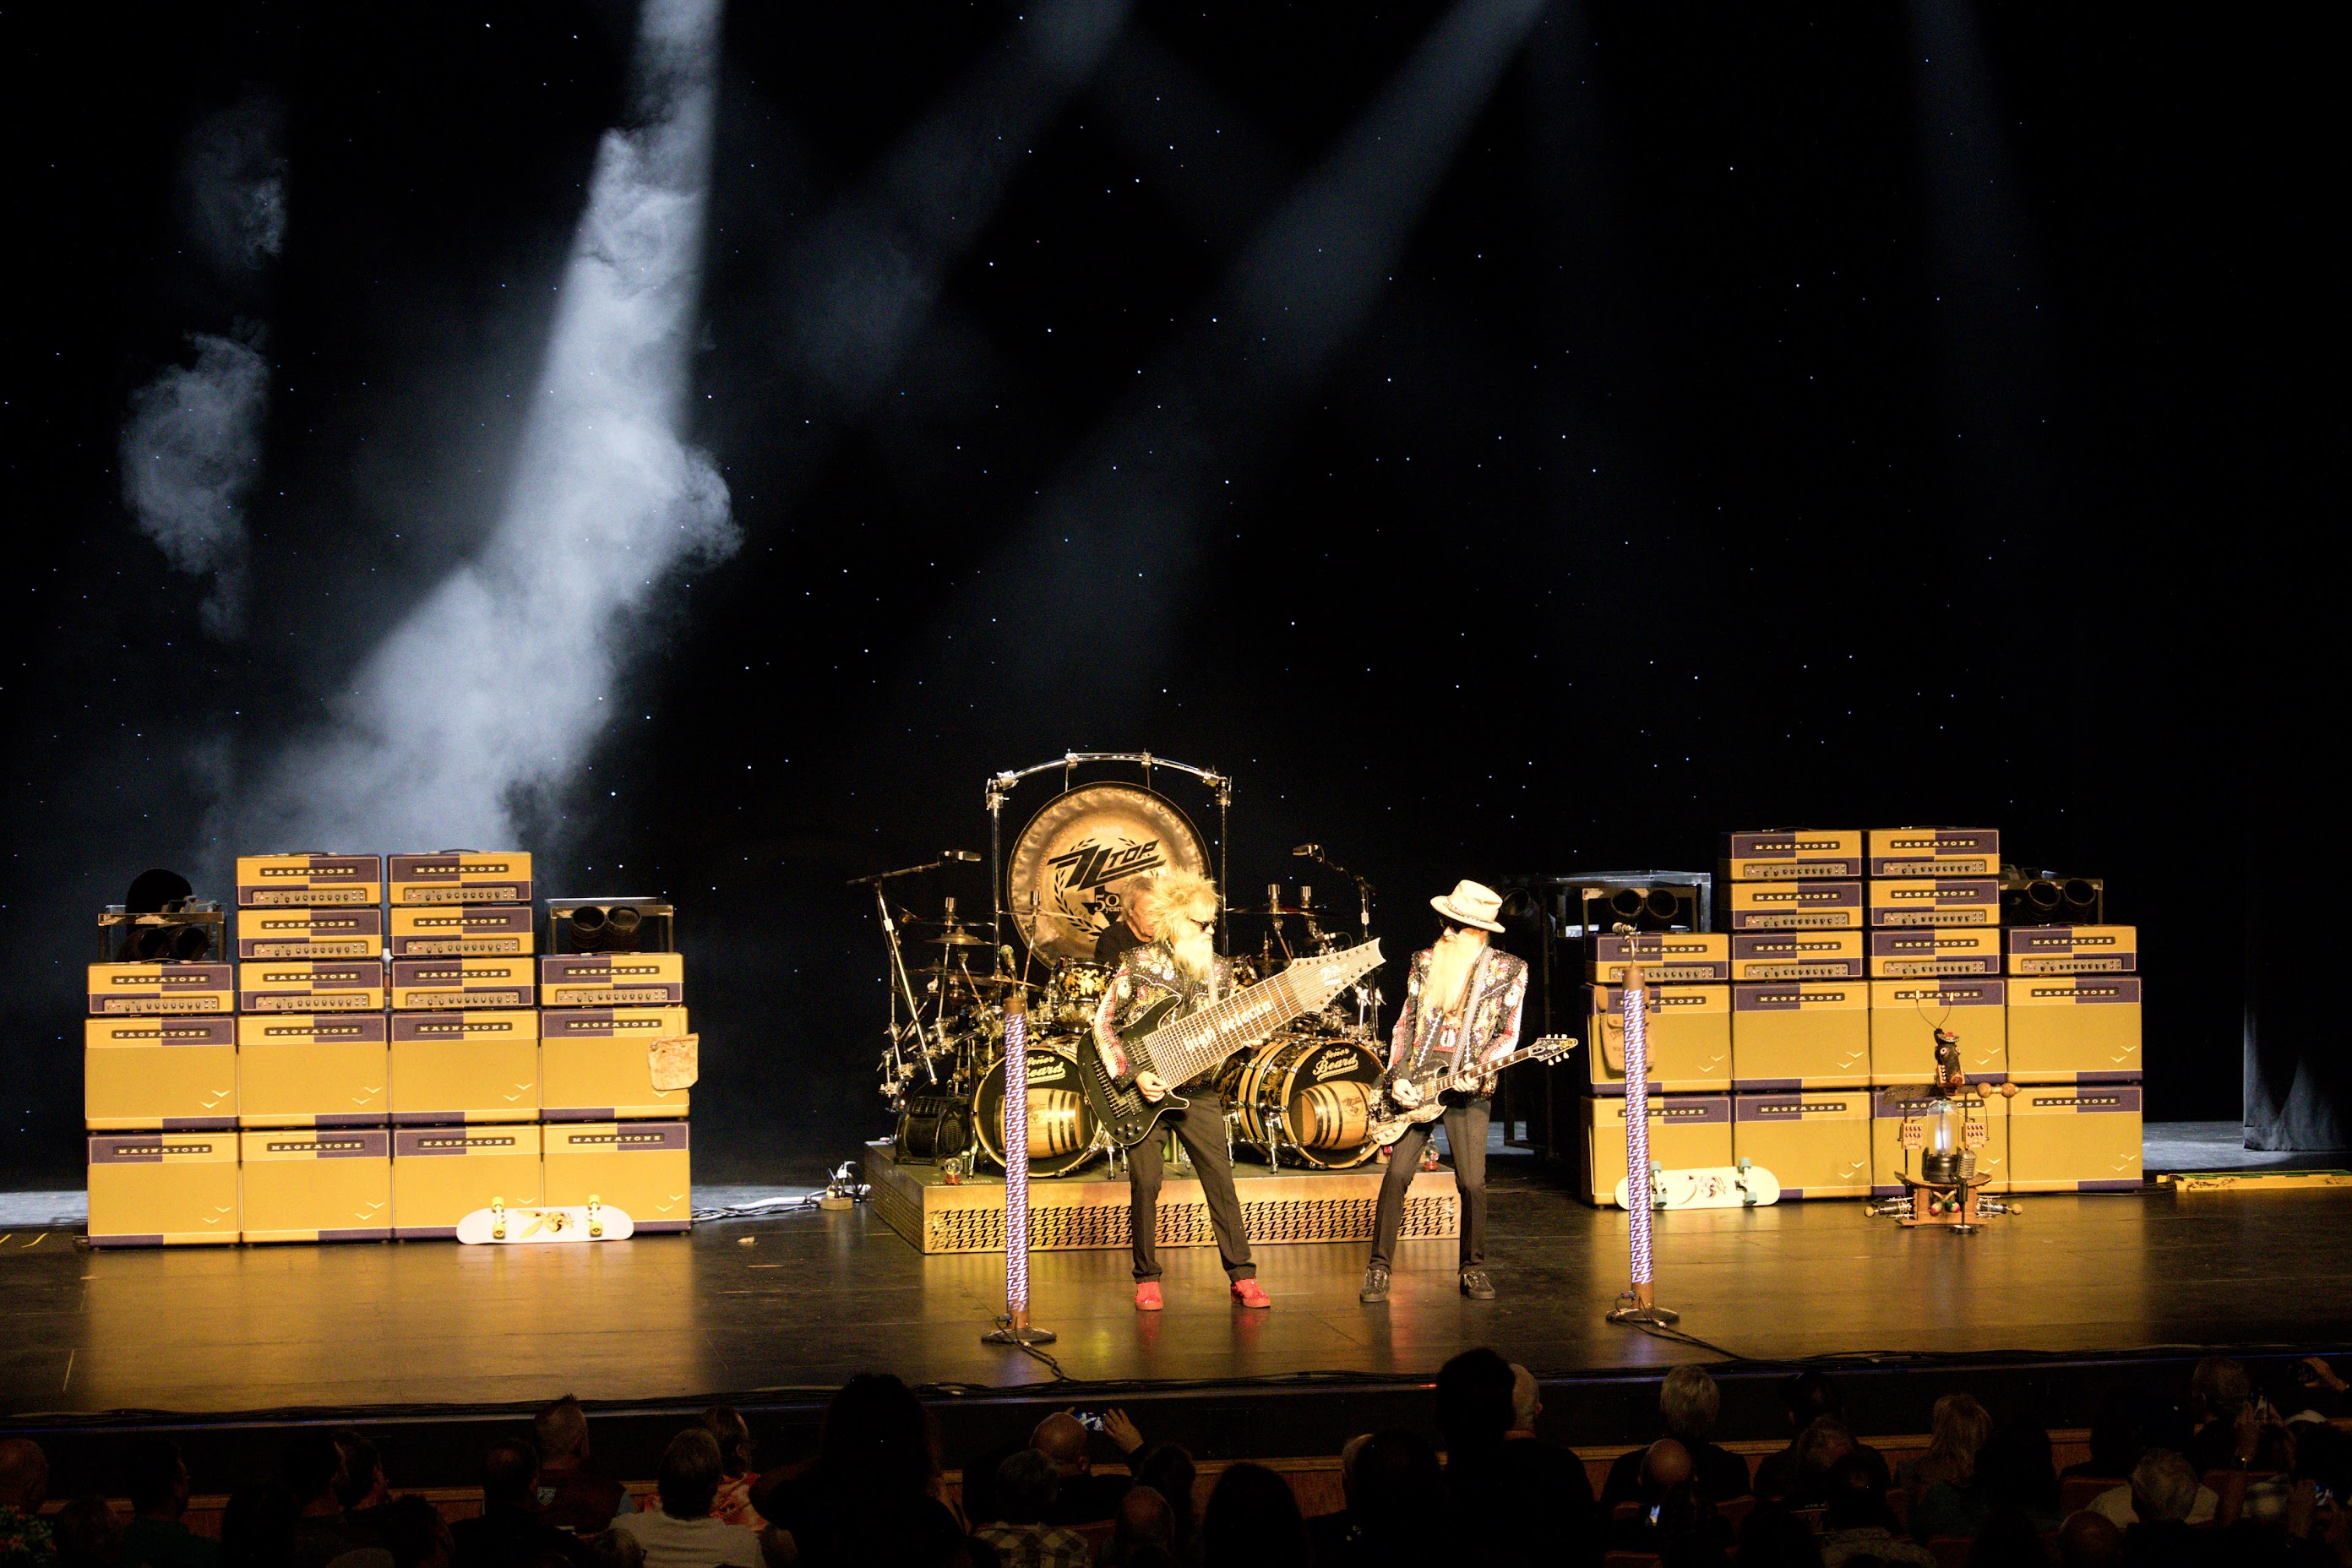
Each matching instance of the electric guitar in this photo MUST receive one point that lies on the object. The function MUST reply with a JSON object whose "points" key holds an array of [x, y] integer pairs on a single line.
{"points": [[1182, 1050], [1430, 1079]]}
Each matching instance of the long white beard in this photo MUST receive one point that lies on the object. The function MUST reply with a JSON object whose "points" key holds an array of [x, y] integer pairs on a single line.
{"points": [[1196, 956], [1449, 974]]}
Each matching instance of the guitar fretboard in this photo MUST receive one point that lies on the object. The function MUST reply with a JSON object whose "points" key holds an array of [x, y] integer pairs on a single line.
{"points": [[1191, 1046]]}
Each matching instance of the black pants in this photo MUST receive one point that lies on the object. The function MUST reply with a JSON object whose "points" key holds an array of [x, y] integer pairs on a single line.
{"points": [[1465, 1130], [1202, 1126]]}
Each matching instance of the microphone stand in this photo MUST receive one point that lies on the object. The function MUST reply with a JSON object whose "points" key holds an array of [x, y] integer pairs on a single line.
{"points": [[1364, 989], [906, 985]]}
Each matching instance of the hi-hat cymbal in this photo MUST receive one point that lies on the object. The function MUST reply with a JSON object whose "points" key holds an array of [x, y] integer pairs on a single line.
{"points": [[958, 938], [1283, 909]]}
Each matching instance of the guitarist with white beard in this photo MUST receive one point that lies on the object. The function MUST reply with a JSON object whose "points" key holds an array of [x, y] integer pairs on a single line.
{"points": [[1462, 1004], [1182, 962]]}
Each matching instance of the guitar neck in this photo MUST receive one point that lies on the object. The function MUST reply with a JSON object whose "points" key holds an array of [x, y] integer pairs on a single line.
{"points": [[1191, 1046], [1525, 1053]]}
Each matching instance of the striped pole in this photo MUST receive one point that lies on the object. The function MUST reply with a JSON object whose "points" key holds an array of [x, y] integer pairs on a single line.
{"points": [[1639, 1303], [1016, 1329]]}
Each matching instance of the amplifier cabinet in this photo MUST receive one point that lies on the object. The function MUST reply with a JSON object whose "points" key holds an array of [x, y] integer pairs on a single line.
{"points": [[1793, 906], [310, 985], [461, 985], [1935, 901], [313, 1070], [1686, 1031], [1667, 958], [159, 1074], [1906, 1014], [1815, 1141], [154, 990], [2075, 1138], [1687, 1132], [1935, 852], [1792, 855], [269, 931], [462, 931], [163, 1189], [613, 980], [2073, 950], [320, 1185], [314, 881], [1919, 953], [642, 1168], [461, 876], [1796, 955], [2074, 1029], [441, 1174], [1889, 1108], [1801, 1033], [594, 1063], [467, 1066]]}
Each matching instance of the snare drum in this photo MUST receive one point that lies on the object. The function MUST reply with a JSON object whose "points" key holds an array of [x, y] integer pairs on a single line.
{"points": [[1311, 1097], [1061, 1123]]}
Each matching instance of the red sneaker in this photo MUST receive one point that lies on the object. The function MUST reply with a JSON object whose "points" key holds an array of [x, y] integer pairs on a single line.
{"points": [[1246, 1292], [1147, 1296]]}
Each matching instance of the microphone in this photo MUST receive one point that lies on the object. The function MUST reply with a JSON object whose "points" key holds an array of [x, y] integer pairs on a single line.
{"points": [[1307, 849], [960, 855]]}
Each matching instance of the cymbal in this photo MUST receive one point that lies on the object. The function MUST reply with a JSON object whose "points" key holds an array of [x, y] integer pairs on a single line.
{"points": [[958, 938], [998, 981], [1284, 910]]}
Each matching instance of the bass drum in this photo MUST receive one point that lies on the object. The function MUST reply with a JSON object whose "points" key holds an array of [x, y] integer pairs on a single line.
{"points": [[933, 1126], [1311, 1098], [1061, 1123]]}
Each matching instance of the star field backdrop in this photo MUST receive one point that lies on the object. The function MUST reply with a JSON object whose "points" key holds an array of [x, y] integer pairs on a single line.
{"points": [[1837, 418]]}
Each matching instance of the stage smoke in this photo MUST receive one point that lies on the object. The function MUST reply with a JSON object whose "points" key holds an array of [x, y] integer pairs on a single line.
{"points": [[486, 698], [232, 187], [189, 452]]}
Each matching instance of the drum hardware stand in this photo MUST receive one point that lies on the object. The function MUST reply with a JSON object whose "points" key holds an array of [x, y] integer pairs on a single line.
{"points": [[905, 987], [1638, 1305], [1015, 1328], [1368, 995]]}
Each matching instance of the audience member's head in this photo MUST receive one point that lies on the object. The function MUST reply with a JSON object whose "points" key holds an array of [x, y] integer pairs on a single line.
{"points": [[157, 1478], [689, 1474], [1252, 1518], [726, 1424], [362, 1484], [2008, 1539], [1809, 1395], [2015, 1468], [1473, 1400], [610, 1548], [878, 1437], [1527, 1400], [24, 1475], [1853, 1494], [1775, 1538], [563, 1431], [1395, 1486], [509, 1475], [2163, 1486], [1352, 1454], [2216, 1390], [258, 1527], [312, 1465], [1958, 1429], [1143, 1518], [415, 1534], [87, 1534], [1062, 1438], [2090, 1539], [1689, 1400], [1168, 1469], [1026, 1484], [1824, 1441], [1665, 1465]]}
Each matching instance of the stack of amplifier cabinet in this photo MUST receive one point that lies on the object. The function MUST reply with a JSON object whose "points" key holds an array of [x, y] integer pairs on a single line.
{"points": [[1797, 1035], [370, 1069]]}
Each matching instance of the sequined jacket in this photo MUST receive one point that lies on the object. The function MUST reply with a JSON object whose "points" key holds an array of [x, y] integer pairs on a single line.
{"points": [[1496, 992], [1146, 975]]}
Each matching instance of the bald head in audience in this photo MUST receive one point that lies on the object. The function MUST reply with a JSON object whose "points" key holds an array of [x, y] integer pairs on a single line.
{"points": [[1062, 1438], [2089, 1540], [1665, 1465]]}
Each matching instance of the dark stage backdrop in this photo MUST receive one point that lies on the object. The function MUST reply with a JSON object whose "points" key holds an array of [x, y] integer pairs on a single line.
{"points": [[1839, 419]]}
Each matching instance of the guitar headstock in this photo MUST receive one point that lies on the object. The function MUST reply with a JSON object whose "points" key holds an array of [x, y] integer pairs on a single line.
{"points": [[1315, 981], [1551, 1047]]}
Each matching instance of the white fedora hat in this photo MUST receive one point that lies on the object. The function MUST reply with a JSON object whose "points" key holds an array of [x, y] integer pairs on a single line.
{"points": [[1472, 904]]}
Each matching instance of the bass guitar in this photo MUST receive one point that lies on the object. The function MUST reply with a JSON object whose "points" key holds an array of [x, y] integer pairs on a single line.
{"points": [[1432, 1078], [1182, 1050]]}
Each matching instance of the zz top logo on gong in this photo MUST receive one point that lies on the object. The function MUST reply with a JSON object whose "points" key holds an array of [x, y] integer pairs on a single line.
{"points": [[1092, 865]]}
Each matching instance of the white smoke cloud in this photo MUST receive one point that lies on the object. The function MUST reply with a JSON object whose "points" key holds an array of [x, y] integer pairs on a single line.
{"points": [[189, 452], [486, 698], [233, 185]]}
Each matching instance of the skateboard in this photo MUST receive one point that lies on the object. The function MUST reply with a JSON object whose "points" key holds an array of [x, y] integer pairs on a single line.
{"points": [[1744, 1186], [499, 1225]]}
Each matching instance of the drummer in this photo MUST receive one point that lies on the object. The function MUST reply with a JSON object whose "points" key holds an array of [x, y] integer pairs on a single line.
{"points": [[1131, 928]]}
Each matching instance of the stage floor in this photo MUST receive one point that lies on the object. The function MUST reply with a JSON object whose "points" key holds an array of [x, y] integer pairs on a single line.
{"points": [[799, 1302]]}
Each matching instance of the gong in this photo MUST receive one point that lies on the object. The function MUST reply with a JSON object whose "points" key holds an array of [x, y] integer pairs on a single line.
{"points": [[1081, 855]]}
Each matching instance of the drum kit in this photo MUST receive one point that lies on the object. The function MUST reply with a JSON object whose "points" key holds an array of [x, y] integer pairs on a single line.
{"points": [[1306, 1097]]}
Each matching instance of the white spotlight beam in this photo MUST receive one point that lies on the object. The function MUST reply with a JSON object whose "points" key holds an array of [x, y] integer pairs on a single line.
{"points": [[482, 703]]}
